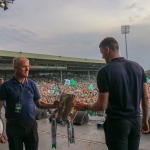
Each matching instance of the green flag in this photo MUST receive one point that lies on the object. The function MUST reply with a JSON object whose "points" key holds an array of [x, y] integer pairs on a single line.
{"points": [[91, 87], [73, 82], [55, 90], [147, 80]]}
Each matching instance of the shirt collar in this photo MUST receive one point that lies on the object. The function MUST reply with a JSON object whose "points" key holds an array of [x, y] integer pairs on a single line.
{"points": [[16, 81], [118, 59]]}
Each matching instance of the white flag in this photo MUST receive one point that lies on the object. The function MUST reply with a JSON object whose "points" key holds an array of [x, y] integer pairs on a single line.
{"points": [[67, 81]]}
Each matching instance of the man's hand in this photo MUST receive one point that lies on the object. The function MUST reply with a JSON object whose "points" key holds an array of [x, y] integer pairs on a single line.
{"points": [[3, 138], [56, 104], [145, 128], [80, 106]]}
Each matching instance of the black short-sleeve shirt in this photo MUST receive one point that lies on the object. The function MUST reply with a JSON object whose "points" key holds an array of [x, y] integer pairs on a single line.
{"points": [[123, 79]]}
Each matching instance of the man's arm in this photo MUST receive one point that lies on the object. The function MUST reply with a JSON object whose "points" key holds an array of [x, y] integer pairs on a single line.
{"points": [[44, 105], [3, 138], [1, 105], [145, 109], [100, 105]]}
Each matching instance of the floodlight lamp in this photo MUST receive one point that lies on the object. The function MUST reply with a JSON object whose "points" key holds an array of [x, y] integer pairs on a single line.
{"points": [[4, 4]]}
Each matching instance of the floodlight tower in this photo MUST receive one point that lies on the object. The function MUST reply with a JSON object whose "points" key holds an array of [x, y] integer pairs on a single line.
{"points": [[125, 29]]}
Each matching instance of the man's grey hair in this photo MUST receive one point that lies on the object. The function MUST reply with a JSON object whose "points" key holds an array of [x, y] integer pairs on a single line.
{"points": [[17, 60]]}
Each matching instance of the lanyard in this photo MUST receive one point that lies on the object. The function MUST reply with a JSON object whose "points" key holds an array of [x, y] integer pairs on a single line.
{"points": [[18, 90]]}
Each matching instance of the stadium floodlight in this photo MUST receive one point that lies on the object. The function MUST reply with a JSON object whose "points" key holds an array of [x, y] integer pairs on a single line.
{"points": [[4, 4], [125, 29]]}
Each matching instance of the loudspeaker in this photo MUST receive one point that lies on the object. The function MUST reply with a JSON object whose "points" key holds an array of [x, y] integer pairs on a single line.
{"points": [[40, 114], [81, 118]]}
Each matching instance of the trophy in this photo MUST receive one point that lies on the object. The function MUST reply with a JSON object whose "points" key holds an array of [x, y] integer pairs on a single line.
{"points": [[64, 114], [66, 111]]}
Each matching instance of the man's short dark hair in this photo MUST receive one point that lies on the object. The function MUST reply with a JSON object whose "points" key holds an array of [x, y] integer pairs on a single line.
{"points": [[110, 42]]}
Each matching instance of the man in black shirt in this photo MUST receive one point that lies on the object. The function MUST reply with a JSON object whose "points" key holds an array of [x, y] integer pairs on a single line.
{"points": [[122, 88]]}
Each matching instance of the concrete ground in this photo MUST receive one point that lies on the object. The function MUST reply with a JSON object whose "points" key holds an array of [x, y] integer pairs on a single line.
{"points": [[87, 137]]}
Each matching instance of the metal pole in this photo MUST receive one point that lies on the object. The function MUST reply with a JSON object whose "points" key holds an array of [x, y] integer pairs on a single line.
{"points": [[126, 47], [89, 75], [61, 76]]}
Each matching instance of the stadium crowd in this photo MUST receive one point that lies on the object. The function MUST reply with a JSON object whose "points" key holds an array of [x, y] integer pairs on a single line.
{"points": [[51, 88]]}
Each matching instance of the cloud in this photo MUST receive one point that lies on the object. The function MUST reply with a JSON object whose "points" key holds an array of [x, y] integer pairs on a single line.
{"points": [[75, 28], [138, 8], [10, 35], [132, 6]]}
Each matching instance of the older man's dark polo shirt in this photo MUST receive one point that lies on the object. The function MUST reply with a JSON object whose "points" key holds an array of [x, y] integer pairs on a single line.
{"points": [[12, 91], [123, 79]]}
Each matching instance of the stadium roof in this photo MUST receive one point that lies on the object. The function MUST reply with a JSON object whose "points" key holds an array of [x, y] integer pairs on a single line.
{"points": [[42, 62], [48, 57]]}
